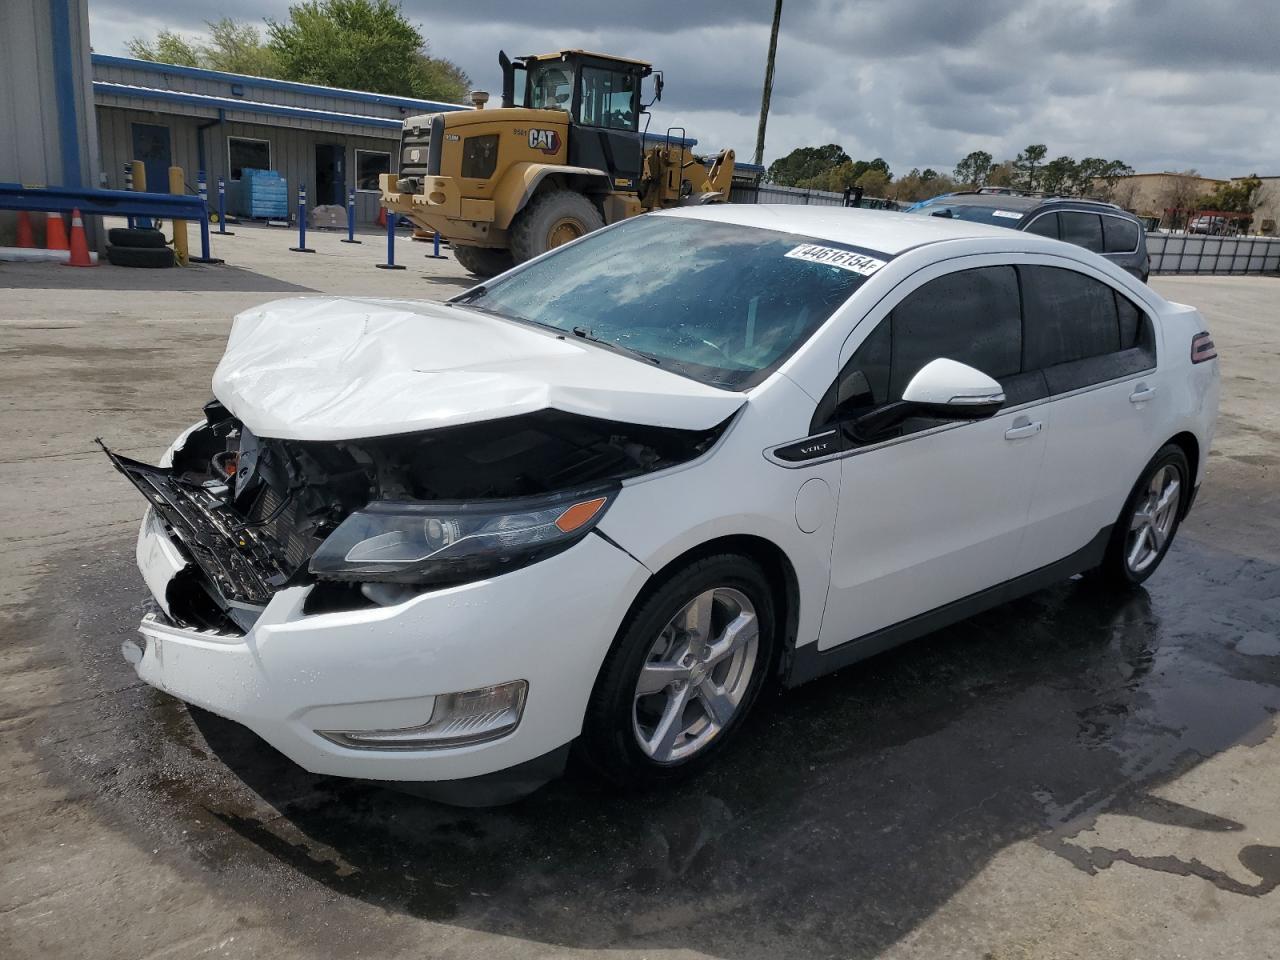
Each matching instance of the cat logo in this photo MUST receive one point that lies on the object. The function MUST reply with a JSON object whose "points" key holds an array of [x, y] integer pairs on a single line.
{"points": [[548, 141]]}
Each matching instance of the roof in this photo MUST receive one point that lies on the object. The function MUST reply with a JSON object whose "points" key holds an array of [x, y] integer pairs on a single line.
{"points": [[165, 72], [881, 230], [103, 91], [586, 53]]}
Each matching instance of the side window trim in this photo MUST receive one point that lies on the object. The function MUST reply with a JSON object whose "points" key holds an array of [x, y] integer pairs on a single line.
{"points": [[1057, 233]]}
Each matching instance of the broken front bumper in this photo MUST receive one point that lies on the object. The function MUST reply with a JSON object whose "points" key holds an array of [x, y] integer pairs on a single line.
{"points": [[377, 668]]}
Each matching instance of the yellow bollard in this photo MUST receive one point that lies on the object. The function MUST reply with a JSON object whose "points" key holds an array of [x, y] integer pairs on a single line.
{"points": [[139, 176], [178, 184]]}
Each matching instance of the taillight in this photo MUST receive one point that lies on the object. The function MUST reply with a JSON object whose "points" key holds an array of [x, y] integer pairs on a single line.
{"points": [[1202, 348]]}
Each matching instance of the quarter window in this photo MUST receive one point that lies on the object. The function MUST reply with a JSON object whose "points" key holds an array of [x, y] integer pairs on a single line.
{"points": [[1082, 229], [1121, 235]]}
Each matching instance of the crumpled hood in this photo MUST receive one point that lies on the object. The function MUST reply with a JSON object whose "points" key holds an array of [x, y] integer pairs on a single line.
{"points": [[334, 368]]}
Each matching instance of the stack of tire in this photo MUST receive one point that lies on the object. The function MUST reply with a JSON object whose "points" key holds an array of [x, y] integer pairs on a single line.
{"points": [[130, 247]]}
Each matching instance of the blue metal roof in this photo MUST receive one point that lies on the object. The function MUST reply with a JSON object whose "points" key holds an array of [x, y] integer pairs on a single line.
{"points": [[245, 106], [267, 83]]}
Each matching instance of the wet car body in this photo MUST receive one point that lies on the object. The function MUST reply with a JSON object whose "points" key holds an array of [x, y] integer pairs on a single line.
{"points": [[265, 544]]}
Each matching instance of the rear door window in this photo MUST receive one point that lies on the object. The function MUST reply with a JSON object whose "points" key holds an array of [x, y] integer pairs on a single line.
{"points": [[1079, 331], [1082, 229], [1120, 235]]}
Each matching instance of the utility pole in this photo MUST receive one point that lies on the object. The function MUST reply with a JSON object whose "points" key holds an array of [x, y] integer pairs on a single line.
{"points": [[768, 82]]}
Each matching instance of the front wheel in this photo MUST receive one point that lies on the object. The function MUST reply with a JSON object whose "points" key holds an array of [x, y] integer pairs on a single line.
{"points": [[551, 219], [683, 674], [1149, 520], [482, 261]]}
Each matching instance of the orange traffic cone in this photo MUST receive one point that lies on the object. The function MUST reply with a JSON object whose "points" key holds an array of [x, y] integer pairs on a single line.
{"points": [[55, 237], [382, 216], [25, 237], [79, 245]]}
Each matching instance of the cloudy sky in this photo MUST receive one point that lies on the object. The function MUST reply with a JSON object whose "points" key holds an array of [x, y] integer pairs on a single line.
{"points": [[1160, 84]]}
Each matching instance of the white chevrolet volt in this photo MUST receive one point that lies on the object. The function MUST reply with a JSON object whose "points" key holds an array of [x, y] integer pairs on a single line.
{"points": [[597, 505]]}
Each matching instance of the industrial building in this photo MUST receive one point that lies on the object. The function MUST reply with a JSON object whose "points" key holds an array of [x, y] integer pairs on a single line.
{"points": [[329, 140]]}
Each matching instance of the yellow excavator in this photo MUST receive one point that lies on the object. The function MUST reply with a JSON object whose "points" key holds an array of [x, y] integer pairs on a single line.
{"points": [[564, 155]]}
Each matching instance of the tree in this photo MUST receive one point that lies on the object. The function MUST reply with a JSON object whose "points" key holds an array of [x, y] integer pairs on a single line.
{"points": [[237, 48], [874, 183], [361, 45], [167, 47], [1027, 160], [974, 169], [1001, 175], [1058, 176], [919, 185], [804, 163], [444, 79], [1234, 196], [1180, 194], [846, 175]]}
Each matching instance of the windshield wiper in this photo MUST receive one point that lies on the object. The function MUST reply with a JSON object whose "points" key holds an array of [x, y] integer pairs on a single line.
{"points": [[582, 333], [467, 296]]}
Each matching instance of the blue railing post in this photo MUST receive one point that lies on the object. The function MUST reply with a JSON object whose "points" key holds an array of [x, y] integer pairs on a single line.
{"points": [[130, 222], [302, 222], [351, 218], [202, 188], [391, 244], [435, 253], [222, 209]]}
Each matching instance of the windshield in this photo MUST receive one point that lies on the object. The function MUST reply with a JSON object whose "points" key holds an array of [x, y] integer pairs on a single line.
{"points": [[1002, 215], [721, 303]]}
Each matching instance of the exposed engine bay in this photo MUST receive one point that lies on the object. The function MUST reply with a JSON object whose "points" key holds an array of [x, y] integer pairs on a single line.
{"points": [[250, 512]]}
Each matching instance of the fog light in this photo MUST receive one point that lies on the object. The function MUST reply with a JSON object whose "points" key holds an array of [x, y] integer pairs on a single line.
{"points": [[457, 719]]}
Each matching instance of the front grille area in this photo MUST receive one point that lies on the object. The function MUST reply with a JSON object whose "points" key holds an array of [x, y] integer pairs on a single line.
{"points": [[237, 558]]}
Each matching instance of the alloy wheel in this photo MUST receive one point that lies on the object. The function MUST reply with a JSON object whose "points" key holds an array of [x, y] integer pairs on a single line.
{"points": [[1153, 519], [696, 675]]}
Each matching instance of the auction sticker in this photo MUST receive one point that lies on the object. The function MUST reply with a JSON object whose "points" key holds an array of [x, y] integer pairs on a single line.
{"points": [[1007, 214], [835, 257]]}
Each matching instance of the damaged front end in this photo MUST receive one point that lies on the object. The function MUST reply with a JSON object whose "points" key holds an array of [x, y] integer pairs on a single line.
{"points": [[375, 521]]}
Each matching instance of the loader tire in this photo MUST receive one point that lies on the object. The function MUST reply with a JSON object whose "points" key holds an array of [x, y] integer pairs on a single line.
{"points": [[551, 219], [140, 256], [483, 261], [129, 237]]}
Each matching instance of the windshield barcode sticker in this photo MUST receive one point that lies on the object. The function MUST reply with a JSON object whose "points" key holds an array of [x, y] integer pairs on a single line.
{"points": [[835, 257], [1007, 214]]}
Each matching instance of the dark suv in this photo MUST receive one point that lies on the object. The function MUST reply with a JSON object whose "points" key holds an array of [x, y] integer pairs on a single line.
{"points": [[1101, 227]]}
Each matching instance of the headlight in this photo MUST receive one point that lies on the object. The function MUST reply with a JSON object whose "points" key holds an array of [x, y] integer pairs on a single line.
{"points": [[439, 543]]}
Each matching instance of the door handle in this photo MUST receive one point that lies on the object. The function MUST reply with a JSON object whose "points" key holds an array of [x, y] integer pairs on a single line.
{"points": [[1142, 394], [1023, 430]]}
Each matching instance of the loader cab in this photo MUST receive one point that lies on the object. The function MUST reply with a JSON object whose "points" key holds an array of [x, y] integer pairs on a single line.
{"points": [[600, 93]]}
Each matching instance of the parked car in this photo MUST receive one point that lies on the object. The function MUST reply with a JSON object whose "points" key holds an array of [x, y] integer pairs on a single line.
{"points": [[1103, 228], [603, 501], [1210, 225]]}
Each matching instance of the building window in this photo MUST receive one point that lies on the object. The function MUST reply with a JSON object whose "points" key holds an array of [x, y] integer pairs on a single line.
{"points": [[369, 164], [246, 153]]}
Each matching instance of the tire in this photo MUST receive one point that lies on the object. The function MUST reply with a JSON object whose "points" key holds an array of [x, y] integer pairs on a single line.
{"points": [[483, 261], [619, 715], [125, 237], [1118, 568], [140, 256], [550, 219]]}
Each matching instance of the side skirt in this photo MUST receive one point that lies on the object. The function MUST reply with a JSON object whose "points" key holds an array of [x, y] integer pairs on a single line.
{"points": [[808, 662]]}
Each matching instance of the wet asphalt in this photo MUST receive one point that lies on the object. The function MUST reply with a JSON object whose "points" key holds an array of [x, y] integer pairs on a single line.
{"points": [[956, 797]]}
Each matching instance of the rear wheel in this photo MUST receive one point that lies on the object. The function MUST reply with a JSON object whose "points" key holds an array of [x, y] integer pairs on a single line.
{"points": [[683, 673], [483, 261], [1149, 520], [552, 218]]}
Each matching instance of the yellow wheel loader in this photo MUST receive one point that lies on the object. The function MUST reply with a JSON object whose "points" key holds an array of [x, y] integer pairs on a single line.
{"points": [[564, 155]]}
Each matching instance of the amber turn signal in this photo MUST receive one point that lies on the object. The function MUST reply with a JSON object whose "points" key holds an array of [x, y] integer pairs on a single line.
{"points": [[578, 514]]}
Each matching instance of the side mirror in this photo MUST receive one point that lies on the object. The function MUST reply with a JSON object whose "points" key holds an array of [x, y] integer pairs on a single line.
{"points": [[952, 390], [943, 389]]}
